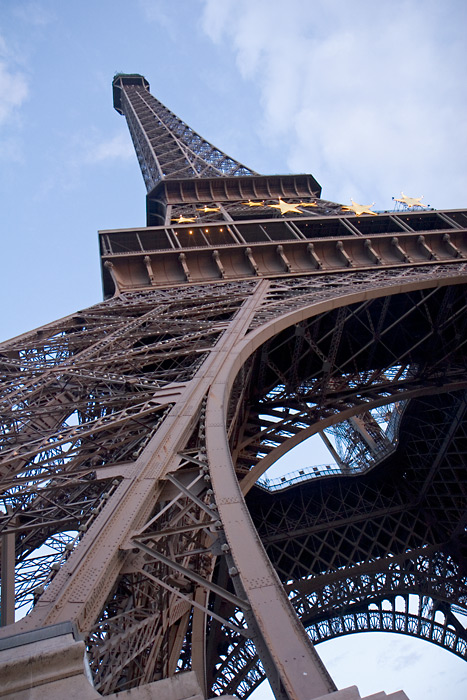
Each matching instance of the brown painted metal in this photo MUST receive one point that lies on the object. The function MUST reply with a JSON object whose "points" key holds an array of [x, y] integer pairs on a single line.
{"points": [[8, 575], [167, 147], [133, 430], [145, 268]]}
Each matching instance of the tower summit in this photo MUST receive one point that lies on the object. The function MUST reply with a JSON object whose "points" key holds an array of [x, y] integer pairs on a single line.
{"points": [[166, 147], [170, 153], [248, 315]]}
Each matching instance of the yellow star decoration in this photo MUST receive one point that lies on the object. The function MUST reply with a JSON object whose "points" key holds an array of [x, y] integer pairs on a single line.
{"points": [[360, 208], [410, 201], [286, 208], [253, 204], [307, 204], [206, 209], [184, 219]]}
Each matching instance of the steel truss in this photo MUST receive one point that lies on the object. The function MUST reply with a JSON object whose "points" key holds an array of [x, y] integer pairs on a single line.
{"points": [[134, 434], [60, 479], [354, 554], [167, 147], [82, 397]]}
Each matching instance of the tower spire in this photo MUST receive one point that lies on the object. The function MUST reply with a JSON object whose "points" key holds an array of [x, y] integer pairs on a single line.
{"points": [[166, 147]]}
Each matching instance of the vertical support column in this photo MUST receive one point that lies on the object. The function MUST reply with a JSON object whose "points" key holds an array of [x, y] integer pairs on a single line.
{"points": [[8, 576], [292, 665], [198, 646], [332, 450]]}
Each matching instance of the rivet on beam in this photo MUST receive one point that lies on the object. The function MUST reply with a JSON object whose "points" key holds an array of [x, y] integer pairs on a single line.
{"points": [[249, 256], [110, 267], [373, 255], [217, 259], [283, 257], [316, 260], [453, 249], [341, 250], [402, 254], [147, 262], [182, 258], [426, 248]]}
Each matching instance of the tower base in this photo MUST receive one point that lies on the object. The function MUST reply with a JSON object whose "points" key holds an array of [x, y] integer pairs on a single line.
{"points": [[50, 664]]}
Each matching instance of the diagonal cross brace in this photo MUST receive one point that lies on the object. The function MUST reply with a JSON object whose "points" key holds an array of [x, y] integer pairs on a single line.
{"points": [[218, 590], [195, 604], [187, 492]]}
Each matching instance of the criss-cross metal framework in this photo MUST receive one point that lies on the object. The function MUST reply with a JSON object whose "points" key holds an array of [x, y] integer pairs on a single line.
{"points": [[136, 434], [166, 147]]}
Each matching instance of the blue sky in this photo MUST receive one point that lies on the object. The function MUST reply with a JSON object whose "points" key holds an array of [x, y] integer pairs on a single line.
{"points": [[370, 97]]}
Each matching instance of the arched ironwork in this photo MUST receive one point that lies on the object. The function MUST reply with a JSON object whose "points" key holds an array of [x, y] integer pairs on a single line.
{"points": [[134, 432]]}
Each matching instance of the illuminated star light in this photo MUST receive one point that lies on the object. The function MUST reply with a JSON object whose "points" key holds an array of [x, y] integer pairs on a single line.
{"points": [[360, 208], [253, 204], [206, 209], [410, 201], [184, 219], [286, 208], [307, 204]]}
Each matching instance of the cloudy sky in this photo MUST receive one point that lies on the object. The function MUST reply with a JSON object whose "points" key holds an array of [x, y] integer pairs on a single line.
{"points": [[370, 97]]}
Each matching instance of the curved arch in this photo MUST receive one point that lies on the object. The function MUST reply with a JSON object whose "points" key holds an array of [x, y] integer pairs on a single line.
{"points": [[390, 621], [259, 579], [256, 338], [244, 656], [257, 471], [385, 584]]}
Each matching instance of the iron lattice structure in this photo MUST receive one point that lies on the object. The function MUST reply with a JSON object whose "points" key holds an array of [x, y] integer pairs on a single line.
{"points": [[166, 147], [247, 316]]}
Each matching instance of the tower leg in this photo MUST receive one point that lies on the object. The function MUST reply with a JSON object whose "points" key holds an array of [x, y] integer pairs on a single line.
{"points": [[290, 660], [8, 577]]}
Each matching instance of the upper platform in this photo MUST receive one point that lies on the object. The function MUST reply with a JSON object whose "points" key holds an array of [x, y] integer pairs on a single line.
{"points": [[122, 79], [212, 219], [271, 246]]}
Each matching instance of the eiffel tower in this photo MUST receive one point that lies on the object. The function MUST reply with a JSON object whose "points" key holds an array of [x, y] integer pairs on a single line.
{"points": [[247, 316]]}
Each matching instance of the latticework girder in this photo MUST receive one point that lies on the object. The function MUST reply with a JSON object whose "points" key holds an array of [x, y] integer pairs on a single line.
{"points": [[133, 431], [349, 550], [373, 352], [166, 147]]}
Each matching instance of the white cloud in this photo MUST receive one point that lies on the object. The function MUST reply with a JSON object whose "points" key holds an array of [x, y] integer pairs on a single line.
{"points": [[34, 13], [117, 147], [156, 11], [367, 96], [70, 164], [13, 91], [11, 150]]}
